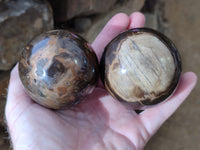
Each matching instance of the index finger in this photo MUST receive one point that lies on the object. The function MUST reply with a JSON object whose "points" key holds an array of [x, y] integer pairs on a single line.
{"points": [[115, 25]]}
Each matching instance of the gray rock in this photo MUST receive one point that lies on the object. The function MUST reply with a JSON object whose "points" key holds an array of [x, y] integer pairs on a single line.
{"points": [[4, 79], [20, 20], [67, 9], [82, 24], [154, 16], [127, 6], [151, 20]]}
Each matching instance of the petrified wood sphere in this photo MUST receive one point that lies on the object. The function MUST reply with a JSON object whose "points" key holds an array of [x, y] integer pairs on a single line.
{"points": [[140, 66], [58, 68]]}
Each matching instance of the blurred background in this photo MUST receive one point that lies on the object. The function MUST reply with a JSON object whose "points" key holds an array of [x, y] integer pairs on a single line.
{"points": [[21, 20]]}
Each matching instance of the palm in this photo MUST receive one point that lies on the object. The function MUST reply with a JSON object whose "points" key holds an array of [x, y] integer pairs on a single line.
{"points": [[99, 122]]}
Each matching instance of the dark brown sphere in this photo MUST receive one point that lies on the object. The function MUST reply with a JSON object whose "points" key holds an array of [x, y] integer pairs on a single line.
{"points": [[58, 68], [141, 67]]}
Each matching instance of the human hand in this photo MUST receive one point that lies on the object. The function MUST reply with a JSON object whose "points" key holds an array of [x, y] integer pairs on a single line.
{"points": [[98, 122]]}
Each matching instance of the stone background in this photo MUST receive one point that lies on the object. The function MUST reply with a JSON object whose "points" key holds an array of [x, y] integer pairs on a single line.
{"points": [[182, 130], [21, 20]]}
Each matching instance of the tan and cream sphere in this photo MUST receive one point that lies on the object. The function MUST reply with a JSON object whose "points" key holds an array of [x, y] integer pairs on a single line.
{"points": [[141, 67]]}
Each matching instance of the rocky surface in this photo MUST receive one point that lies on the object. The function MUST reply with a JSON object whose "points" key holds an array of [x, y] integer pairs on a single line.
{"points": [[154, 14], [68, 9], [21, 20], [4, 140], [4, 79], [82, 24], [127, 6], [181, 131]]}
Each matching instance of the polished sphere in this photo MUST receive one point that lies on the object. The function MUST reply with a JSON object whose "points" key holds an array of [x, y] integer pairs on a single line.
{"points": [[58, 68], [141, 67]]}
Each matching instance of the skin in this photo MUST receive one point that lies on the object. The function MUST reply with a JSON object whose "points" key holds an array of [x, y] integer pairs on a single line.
{"points": [[97, 123]]}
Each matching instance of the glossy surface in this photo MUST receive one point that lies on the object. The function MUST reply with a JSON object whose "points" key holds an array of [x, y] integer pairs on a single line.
{"points": [[141, 67], [58, 68]]}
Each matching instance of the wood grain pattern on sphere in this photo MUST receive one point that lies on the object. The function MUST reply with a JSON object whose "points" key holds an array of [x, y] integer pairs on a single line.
{"points": [[58, 68], [139, 68]]}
